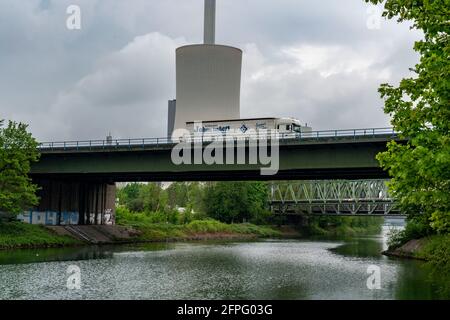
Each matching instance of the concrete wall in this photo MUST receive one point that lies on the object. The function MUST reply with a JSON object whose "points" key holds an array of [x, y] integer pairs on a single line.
{"points": [[72, 202]]}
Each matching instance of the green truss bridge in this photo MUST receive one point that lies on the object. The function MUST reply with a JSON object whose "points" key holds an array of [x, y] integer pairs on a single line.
{"points": [[332, 197]]}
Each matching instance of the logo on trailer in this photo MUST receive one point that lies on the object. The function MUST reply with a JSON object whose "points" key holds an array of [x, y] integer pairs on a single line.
{"points": [[244, 128]]}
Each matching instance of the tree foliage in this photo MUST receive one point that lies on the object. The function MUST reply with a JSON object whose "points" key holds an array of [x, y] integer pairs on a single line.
{"points": [[236, 201], [18, 149], [178, 195], [420, 111], [139, 197], [162, 205], [224, 201]]}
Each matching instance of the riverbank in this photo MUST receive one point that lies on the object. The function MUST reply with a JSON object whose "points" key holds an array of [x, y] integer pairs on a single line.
{"points": [[16, 235], [200, 230], [435, 250], [423, 249], [21, 235]]}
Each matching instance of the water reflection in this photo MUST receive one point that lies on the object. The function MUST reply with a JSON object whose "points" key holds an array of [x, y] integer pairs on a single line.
{"points": [[23, 256], [363, 248]]}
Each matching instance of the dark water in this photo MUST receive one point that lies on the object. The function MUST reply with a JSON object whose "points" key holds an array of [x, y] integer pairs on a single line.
{"points": [[270, 269]]}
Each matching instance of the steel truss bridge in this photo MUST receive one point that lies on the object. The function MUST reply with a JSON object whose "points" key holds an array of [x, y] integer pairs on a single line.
{"points": [[332, 197]]}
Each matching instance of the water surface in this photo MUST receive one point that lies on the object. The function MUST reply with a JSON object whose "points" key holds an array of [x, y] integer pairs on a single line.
{"points": [[270, 269]]}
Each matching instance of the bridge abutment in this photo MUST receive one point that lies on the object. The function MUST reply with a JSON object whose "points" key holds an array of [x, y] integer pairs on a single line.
{"points": [[73, 202]]}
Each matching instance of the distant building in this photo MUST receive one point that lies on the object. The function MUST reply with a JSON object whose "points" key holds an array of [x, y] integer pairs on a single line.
{"points": [[171, 117]]}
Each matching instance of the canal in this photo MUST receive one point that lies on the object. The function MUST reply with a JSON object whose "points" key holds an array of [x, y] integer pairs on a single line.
{"points": [[268, 269]]}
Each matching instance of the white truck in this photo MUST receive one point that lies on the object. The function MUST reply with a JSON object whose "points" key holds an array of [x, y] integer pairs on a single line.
{"points": [[241, 127]]}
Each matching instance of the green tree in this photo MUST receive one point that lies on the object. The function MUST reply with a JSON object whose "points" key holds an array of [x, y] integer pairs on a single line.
{"points": [[128, 193], [139, 197], [235, 201], [177, 194], [420, 111], [195, 197], [154, 198], [18, 149]]}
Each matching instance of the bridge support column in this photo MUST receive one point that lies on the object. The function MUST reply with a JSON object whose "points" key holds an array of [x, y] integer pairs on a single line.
{"points": [[74, 202]]}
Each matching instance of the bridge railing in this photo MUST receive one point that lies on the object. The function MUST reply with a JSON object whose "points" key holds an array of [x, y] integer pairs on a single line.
{"points": [[138, 143]]}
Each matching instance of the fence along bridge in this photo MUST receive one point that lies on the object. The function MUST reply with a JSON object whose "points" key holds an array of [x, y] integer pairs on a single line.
{"points": [[332, 197]]}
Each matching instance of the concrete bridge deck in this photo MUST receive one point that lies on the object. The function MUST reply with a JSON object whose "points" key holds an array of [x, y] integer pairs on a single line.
{"points": [[77, 177], [334, 154]]}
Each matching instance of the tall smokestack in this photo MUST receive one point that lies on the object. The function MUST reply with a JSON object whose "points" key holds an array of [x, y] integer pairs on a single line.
{"points": [[210, 22]]}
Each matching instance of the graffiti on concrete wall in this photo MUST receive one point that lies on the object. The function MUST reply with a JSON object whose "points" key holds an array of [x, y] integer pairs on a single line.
{"points": [[48, 217]]}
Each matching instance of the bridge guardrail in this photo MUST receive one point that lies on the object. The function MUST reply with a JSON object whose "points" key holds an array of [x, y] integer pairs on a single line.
{"points": [[142, 143]]}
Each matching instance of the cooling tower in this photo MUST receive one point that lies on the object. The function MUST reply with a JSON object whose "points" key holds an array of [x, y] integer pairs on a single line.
{"points": [[208, 77], [208, 83]]}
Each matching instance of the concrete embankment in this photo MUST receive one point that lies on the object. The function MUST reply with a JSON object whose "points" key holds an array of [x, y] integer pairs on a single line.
{"points": [[97, 234], [410, 250], [101, 234], [17, 235]]}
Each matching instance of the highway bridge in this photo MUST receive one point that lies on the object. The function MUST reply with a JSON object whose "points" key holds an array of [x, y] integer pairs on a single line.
{"points": [[77, 178], [332, 154]]}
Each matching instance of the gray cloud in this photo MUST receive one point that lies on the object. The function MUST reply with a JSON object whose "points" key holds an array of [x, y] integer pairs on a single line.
{"points": [[126, 94], [314, 61]]}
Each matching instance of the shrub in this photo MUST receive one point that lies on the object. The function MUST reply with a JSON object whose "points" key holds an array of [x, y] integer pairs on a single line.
{"points": [[396, 238], [416, 229]]}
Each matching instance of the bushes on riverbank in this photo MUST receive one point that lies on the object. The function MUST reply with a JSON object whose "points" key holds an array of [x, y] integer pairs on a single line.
{"points": [[152, 227], [435, 250], [22, 235], [343, 226], [432, 247]]}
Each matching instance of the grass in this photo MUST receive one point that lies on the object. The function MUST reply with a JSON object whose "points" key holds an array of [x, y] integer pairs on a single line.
{"points": [[152, 228], [22, 235], [151, 231]]}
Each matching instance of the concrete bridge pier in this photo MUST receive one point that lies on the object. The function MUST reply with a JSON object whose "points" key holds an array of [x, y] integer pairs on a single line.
{"points": [[300, 220], [65, 202]]}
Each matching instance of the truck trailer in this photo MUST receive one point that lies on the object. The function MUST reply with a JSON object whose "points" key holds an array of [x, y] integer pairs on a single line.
{"points": [[283, 126]]}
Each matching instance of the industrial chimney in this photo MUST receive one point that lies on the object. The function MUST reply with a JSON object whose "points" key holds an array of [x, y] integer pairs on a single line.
{"points": [[210, 22], [208, 78]]}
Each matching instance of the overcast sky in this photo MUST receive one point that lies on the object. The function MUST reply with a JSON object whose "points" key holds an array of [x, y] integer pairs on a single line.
{"points": [[317, 61]]}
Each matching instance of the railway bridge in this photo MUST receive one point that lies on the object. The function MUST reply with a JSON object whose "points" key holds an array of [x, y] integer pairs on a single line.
{"points": [[332, 197]]}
